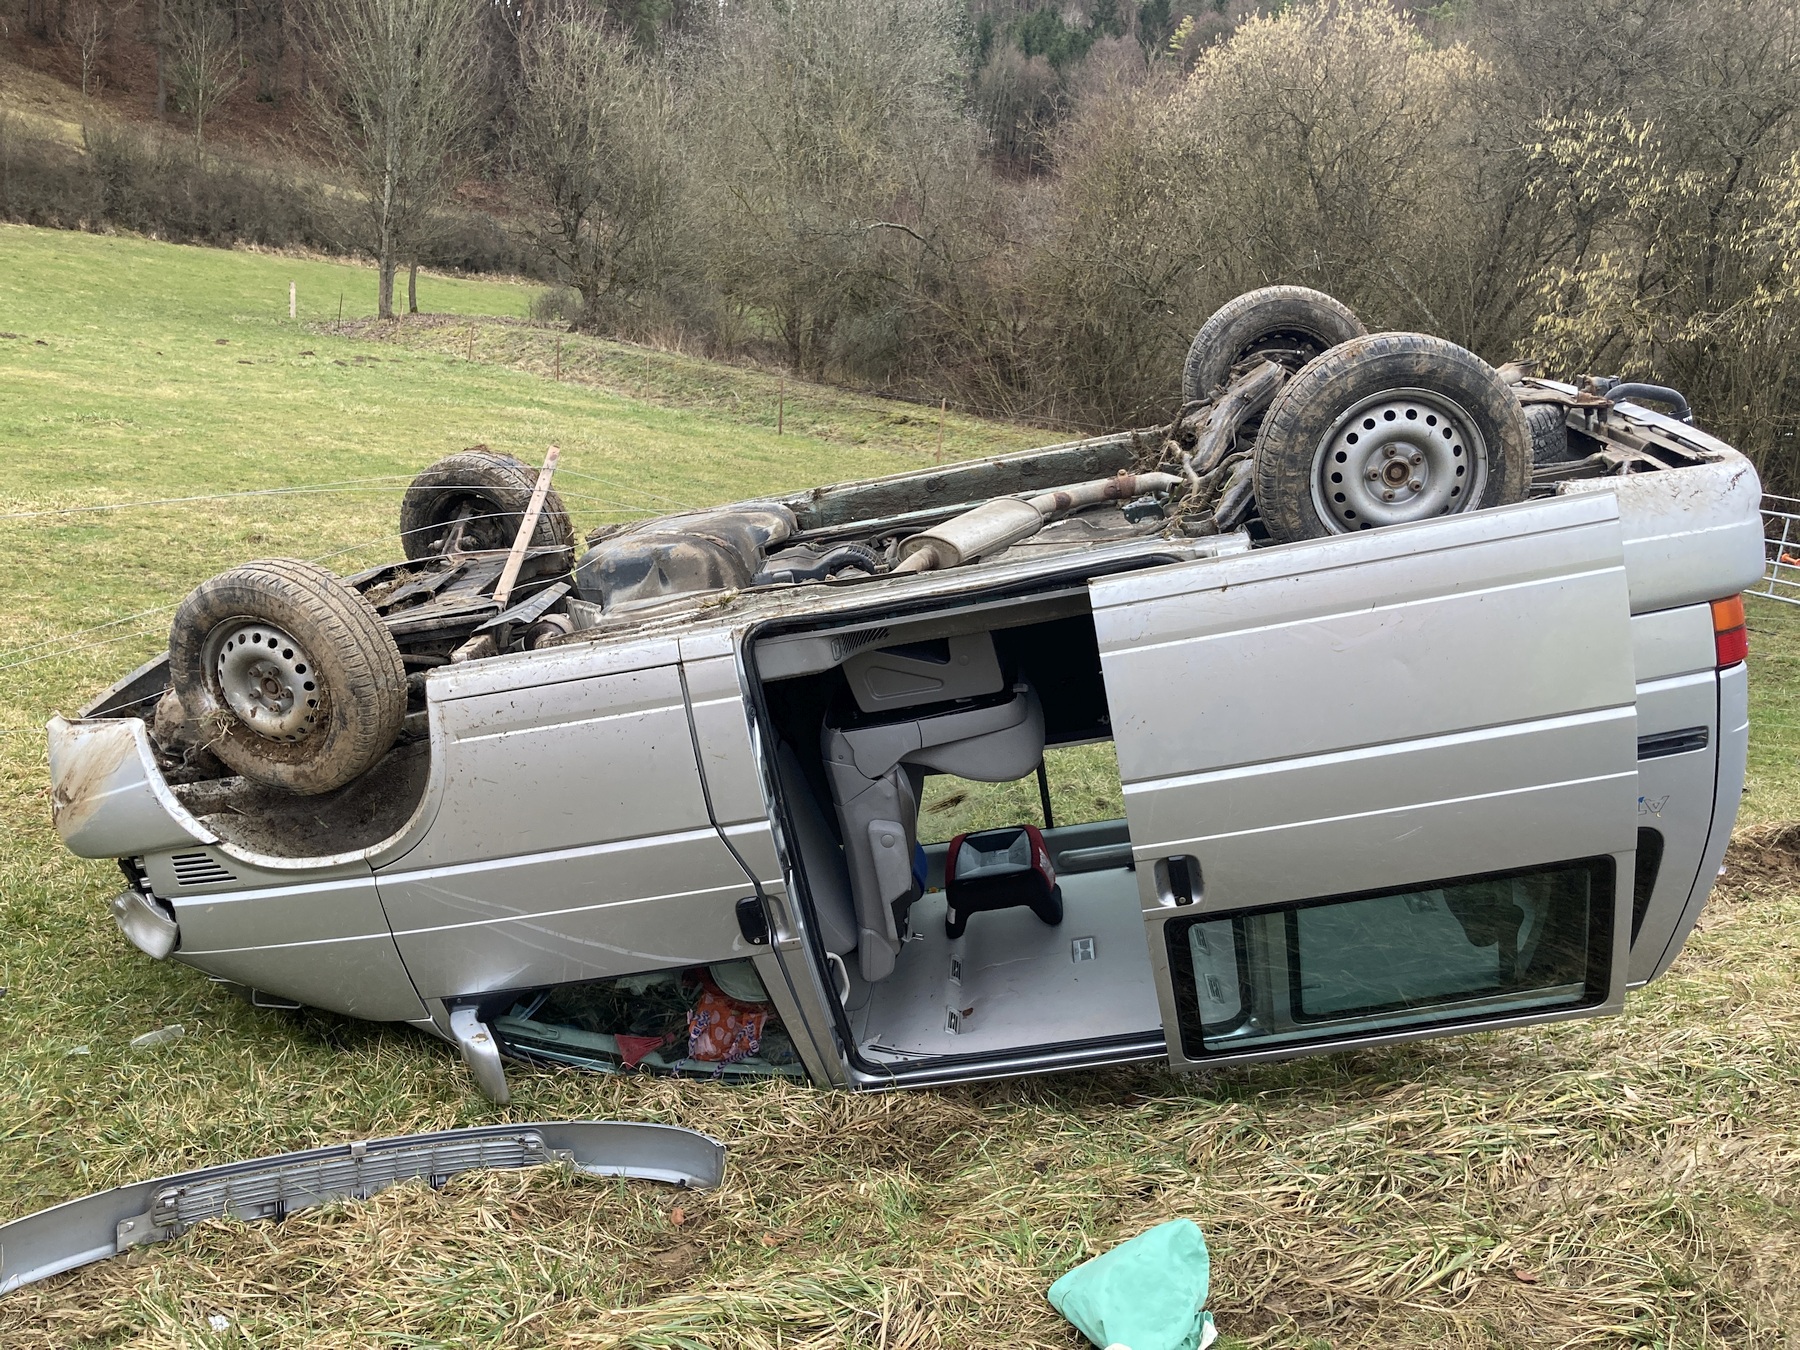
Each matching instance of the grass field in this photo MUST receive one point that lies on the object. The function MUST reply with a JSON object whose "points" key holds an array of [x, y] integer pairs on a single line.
{"points": [[1634, 1181]]}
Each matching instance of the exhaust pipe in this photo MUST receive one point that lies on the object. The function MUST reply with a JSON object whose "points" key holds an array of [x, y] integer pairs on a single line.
{"points": [[1004, 521]]}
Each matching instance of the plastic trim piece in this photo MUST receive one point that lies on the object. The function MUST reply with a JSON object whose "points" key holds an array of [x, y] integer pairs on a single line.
{"points": [[480, 1053], [80, 1232]]}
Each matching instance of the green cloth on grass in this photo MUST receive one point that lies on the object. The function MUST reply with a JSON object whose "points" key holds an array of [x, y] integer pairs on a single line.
{"points": [[1145, 1294]]}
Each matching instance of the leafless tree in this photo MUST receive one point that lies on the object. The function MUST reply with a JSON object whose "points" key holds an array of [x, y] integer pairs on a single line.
{"points": [[202, 56], [87, 26], [818, 129], [396, 101], [593, 139]]}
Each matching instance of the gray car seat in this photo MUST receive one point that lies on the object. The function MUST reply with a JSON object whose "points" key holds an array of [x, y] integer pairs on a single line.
{"points": [[876, 776]]}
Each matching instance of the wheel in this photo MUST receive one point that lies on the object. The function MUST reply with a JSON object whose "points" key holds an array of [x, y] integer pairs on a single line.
{"points": [[1549, 428], [296, 677], [1385, 429], [486, 493], [1273, 319]]}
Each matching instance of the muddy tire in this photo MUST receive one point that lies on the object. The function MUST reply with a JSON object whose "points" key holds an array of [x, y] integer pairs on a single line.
{"points": [[1273, 319], [294, 678], [1388, 429], [1549, 427], [490, 491]]}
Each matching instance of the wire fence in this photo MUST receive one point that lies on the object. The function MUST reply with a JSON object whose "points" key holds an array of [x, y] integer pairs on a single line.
{"points": [[1781, 549]]}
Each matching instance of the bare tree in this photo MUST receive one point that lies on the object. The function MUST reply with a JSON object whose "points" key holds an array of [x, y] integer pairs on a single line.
{"points": [[87, 26], [593, 136], [397, 103], [203, 64], [809, 123]]}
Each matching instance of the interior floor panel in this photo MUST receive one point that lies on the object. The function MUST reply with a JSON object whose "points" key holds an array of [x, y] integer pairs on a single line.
{"points": [[1012, 980]]}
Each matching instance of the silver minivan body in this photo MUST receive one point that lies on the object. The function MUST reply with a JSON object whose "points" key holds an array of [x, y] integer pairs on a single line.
{"points": [[1463, 774]]}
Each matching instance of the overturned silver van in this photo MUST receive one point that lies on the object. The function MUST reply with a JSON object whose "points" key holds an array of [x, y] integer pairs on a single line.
{"points": [[1373, 697]]}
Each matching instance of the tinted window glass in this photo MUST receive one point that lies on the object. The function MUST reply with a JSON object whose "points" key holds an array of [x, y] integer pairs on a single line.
{"points": [[1458, 951]]}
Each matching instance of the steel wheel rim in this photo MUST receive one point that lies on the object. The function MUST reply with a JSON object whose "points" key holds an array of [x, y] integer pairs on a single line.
{"points": [[1398, 456], [267, 679]]}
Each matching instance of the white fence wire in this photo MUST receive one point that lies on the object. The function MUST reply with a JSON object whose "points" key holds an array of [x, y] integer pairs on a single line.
{"points": [[1781, 549]]}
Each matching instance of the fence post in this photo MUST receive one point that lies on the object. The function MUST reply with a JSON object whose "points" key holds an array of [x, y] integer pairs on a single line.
{"points": [[293, 301], [781, 403], [943, 403], [559, 358]]}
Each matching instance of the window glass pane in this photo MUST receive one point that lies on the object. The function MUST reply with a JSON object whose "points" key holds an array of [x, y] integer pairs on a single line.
{"points": [[1217, 979], [1319, 971]]}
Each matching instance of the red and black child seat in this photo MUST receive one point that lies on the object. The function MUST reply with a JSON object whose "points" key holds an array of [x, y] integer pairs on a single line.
{"points": [[999, 869]]}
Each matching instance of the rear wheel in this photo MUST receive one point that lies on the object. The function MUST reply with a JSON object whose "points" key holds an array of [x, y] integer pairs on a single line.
{"points": [[297, 681], [476, 500], [1290, 324], [1387, 429]]}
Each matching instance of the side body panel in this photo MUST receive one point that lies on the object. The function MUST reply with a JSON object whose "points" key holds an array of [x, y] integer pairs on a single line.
{"points": [[322, 943], [1734, 751], [1678, 749], [571, 838], [1359, 714]]}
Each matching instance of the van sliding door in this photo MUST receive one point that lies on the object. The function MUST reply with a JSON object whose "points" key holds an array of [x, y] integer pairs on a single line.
{"points": [[1380, 785]]}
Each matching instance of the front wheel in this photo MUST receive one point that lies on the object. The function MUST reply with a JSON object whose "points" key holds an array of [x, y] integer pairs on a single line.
{"points": [[1388, 429], [297, 680]]}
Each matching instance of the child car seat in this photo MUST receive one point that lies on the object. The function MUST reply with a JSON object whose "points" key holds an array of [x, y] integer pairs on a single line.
{"points": [[997, 869], [877, 773]]}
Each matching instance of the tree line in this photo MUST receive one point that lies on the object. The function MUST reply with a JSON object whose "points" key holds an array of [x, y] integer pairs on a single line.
{"points": [[1030, 209]]}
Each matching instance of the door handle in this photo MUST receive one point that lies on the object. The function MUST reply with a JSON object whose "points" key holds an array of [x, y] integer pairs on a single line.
{"points": [[1178, 880]]}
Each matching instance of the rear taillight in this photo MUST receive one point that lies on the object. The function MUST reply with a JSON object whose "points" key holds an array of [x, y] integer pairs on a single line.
{"points": [[1731, 641]]}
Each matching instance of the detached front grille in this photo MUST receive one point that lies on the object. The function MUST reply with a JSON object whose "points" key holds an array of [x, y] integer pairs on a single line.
{"points": [[199, 869]]}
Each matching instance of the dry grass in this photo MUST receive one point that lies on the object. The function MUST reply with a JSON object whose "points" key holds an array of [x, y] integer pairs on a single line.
{"points": [[1630, 1182]]}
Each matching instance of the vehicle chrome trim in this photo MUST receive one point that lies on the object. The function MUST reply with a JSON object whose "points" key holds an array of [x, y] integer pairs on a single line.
{"points": [[80, 1232]]}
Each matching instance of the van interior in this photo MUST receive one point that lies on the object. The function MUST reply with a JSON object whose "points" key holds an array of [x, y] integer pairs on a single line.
{"points": [[893, 740]]}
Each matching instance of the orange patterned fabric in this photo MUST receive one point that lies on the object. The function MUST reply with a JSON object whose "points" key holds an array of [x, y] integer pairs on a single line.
{"points": [[722, 1030]]}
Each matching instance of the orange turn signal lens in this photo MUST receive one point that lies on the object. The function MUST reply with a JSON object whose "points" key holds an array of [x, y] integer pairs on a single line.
{"points": [[1731, 640]]}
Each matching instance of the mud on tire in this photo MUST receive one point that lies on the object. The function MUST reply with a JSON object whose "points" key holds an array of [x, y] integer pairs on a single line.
{"points": [[297, 682], [1387, 429], [490, 491], [1272, 319]]}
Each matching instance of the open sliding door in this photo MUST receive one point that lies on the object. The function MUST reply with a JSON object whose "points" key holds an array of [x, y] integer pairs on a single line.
{"points": [[1381, 785]]}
